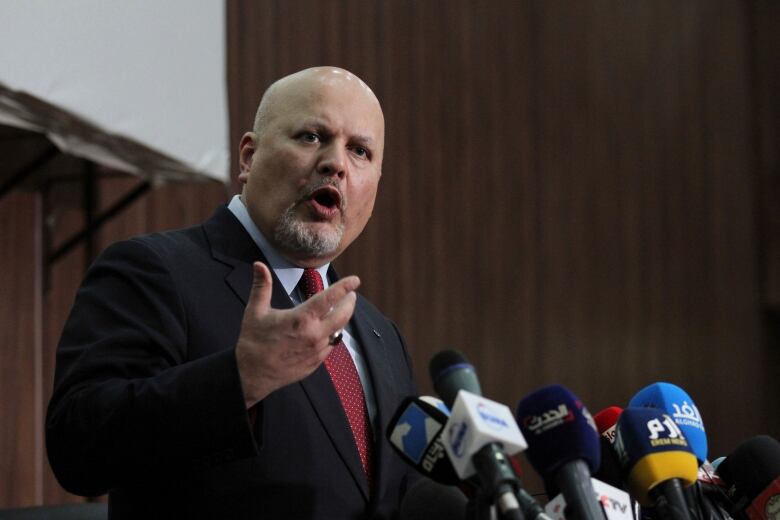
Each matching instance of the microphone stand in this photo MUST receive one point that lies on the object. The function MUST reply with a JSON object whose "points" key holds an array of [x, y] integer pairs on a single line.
{"points": [[498, 486]]}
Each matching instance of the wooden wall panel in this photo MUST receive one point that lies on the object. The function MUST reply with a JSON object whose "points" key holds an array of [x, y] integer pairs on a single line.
{"points": [[21, 449], [62, 202], [27, 374], [765, 60], [568, 193]]}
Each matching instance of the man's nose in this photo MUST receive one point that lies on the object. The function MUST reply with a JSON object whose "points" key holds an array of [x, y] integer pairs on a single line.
{"points": [[333, 161]]}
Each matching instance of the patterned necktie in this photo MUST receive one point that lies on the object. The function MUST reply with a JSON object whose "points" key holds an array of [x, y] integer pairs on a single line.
{"points": [[347, 382]]}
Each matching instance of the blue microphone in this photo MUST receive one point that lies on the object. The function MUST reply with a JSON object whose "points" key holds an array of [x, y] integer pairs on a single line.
{"points": [[563, 445], [657, 460], [675, 402]]}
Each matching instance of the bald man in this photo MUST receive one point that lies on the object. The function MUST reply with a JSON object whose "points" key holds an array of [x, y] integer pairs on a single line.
{"points": [[224, 370]]}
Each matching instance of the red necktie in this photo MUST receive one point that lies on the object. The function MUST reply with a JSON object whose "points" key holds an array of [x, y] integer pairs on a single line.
{"points": [[347, 382]]}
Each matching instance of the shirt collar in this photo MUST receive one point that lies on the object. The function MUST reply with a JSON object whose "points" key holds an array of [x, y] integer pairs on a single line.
{"points": [[288, 273]]}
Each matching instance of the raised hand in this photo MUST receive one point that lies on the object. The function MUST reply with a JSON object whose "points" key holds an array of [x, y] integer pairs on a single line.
{"points": [[277, 347]]}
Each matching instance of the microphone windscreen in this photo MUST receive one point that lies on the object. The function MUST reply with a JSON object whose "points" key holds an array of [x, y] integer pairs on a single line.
{"points": [[451, 372], [607, 418], [675, 402], [558, 429], [652, 449], [752, 466], [429, 500]]}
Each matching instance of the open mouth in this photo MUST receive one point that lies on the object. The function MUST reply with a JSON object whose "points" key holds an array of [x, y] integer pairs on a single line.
{"points": [[327, 197]]}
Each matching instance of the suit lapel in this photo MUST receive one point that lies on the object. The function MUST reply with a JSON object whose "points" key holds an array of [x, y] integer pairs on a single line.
{"points": [[232, 245], [382, 380]]}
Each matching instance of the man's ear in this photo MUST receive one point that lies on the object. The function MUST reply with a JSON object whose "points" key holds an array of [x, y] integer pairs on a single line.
{"points": [[246, 153]]}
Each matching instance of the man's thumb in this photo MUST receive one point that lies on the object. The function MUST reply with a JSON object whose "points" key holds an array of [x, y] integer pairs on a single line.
{"points": [[260, 294]]}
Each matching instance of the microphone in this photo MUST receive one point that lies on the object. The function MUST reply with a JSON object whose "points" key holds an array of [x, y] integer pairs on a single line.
{"points": [[429, 500], [609, 470], [563, 446], [608, 480], [658, 460], [451, 372], [704, 498], [479, 435], [675, 402], [752, 477], [415, 434], [606, 422]]}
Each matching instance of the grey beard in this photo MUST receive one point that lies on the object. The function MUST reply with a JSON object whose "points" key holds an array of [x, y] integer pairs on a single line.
{"points": [[296, 236]]}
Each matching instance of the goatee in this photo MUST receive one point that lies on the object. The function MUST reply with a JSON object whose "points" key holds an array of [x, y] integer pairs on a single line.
{"points": [[296, 236]]}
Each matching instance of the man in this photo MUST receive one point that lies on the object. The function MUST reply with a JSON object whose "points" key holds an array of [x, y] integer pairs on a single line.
{"points": [[200, 373]]}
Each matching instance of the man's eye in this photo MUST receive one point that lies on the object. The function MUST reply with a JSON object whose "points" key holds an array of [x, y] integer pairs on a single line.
{"points": [[310, 137], [360, 151]]}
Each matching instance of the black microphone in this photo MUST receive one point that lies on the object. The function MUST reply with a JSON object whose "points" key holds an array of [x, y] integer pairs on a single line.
{"points": [[752, 476], [451, 372], [429, 500], [609, 470]]}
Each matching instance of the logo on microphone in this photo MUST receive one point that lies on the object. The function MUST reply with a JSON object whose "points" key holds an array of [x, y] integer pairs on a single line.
{"points": [[490, 418], [687, 415], [433, 455], [665, 433], [548, 420], [457, 437]]}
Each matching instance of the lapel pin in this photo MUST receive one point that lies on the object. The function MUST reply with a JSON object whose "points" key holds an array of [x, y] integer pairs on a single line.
{"points": [[376, 333]]}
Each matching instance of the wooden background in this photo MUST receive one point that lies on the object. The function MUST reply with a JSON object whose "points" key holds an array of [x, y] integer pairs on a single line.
{"points": [[582, 193]]}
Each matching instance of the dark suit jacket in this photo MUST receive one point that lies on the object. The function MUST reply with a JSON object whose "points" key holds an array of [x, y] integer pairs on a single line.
{"points": [[148, 405]]}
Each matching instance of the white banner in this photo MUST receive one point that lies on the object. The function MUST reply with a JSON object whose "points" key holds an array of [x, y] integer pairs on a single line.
{"points": [[138, 85]]}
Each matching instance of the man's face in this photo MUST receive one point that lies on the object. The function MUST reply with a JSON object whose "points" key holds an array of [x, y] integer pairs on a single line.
{"points": [[311, 175]]}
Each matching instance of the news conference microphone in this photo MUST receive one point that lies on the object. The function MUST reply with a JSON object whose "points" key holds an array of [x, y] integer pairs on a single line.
{"points": [[609, 470], [752, 476], [450, 373], [658, 460], [429, 500], [563, 446], [606, 422], [479, 435], [415, 434], [608, 480], [675, 402]]}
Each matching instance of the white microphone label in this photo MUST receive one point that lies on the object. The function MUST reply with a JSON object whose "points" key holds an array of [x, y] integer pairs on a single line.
{"points": [[615, 502], [475, 422]]}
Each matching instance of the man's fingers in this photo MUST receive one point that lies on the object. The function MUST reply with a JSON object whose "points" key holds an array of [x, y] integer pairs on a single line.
{"points": [[260, 295], [321, 303], [340, 314]]}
